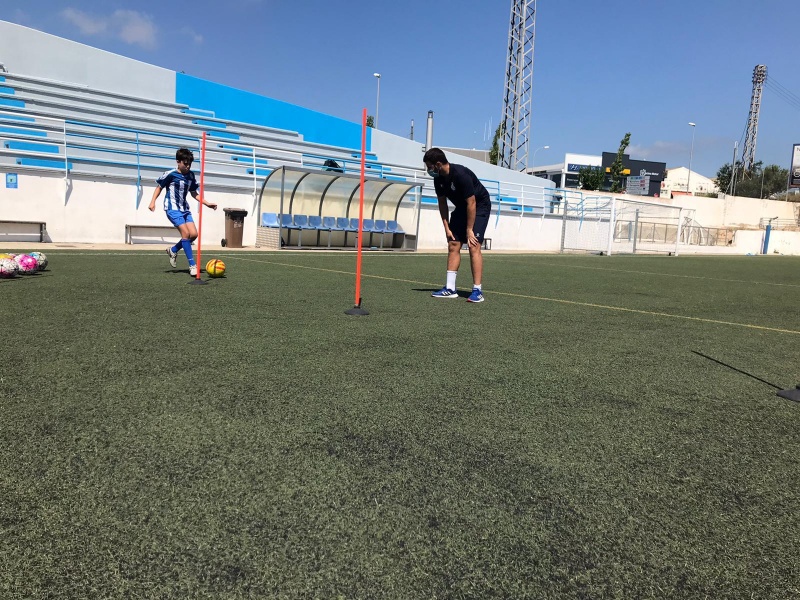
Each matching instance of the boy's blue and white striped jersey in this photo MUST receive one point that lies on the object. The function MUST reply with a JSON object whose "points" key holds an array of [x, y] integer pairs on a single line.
{"points": [[178, 187]]}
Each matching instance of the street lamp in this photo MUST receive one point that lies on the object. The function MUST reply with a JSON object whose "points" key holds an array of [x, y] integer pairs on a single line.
{"points": [[378, 101], [691, 153], [533, 160]]}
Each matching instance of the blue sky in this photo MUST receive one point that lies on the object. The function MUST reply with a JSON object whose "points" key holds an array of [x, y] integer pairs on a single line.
{"points": [[601, 68]]}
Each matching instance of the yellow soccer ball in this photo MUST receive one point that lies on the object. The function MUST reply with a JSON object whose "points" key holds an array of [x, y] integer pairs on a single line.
{"points": [[215, 268]]}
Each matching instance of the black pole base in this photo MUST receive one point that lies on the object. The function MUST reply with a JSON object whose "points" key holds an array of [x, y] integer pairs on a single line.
{"points": [[791, 394], [357, 310], [197, 282]]}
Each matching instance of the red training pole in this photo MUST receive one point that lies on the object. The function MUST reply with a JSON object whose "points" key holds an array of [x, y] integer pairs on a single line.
{"points": [[361, 205], [202, 197]]}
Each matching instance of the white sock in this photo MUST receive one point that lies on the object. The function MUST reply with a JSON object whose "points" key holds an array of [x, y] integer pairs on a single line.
{"points": [[451, 280], [476, 286]]}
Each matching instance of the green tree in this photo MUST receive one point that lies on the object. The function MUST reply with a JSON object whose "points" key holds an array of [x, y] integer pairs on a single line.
{"points": [[758, 182], [494, 153], [725, 175], [370, 121], [591, 178], [616, 166]]}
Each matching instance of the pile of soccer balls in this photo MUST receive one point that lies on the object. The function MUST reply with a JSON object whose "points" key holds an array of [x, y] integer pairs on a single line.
{"points": [[12, 265]]}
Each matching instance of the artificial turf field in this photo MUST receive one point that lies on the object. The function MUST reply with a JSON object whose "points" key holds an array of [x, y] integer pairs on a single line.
{"points": [[571, 437]]}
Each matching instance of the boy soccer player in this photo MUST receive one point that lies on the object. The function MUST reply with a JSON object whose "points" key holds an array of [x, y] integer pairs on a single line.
{"points": [[178, 182], [466, 225]]}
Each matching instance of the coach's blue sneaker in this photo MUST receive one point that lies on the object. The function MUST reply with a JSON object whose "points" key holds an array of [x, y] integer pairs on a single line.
{"points": [[445, 293], [173, 258], [475, 296]]}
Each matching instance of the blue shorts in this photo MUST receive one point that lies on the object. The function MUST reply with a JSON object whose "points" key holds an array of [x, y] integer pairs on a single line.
{"points": [[179, 217], [458, 225]]}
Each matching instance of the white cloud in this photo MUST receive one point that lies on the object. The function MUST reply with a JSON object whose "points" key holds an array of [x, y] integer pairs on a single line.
{"points": [[21, 17], [130, 26], [196, 37], [86, 24], [656, 150], [135, 28]]}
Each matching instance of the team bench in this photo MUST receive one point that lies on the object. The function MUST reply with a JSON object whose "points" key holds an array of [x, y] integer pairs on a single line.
{"points": [[130, 227], [39, 224]]}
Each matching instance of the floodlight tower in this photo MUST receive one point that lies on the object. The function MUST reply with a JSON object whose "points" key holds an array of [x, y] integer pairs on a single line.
{"points": [[517, 98], [749, 152]]}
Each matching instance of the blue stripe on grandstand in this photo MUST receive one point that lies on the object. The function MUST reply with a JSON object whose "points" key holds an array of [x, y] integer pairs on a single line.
{"points": [[43, 162], [10, 102], [203, 123], [199, 112], [429, 200], [17, 118], [506, 199], [249, 160], [259, 171], [370, 155], [17, 131], [232, 104], [6, 90], [232, 147], [223, 134], [394, 178], [32, 147], [2, 78]]}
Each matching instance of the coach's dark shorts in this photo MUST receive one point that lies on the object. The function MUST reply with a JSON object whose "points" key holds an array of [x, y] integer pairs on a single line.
{"points": [[458, 225]]}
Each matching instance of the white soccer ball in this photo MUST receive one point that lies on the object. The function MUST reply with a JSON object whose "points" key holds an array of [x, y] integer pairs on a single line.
{"points": [[41, 260], [8, 268]]}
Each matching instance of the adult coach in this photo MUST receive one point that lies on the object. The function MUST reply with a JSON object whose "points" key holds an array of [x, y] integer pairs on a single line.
{"points": [[467, 223]]}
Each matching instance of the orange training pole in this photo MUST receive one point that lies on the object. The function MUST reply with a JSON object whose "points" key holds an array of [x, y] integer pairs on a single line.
{"points": [[202, 197], [361, 205]]}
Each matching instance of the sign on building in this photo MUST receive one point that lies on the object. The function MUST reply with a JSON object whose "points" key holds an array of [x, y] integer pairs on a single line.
{"points": [[794, 172], [638, 185]]}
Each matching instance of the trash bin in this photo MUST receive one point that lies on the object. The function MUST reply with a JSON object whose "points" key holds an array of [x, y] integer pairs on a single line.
{"points": [[234, 227]]}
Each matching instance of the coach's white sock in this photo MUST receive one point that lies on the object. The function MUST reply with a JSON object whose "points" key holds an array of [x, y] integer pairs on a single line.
{"points": [[476, 286], [451, 280]]}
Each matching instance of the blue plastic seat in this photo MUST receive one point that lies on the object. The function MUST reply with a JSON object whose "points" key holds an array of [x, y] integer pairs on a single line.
{"points": [[301, 224], [315, 224], [269, 220], [394, 228], [380, 229], [287, 222], [369, 228], [329, 225]]}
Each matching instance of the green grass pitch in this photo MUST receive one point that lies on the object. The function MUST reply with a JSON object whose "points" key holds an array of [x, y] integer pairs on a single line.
{"points": [[247, 439]]}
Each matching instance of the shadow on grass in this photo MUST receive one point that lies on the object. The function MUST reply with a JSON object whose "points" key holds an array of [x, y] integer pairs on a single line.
{"points": [[30, 277], [719, 362]]}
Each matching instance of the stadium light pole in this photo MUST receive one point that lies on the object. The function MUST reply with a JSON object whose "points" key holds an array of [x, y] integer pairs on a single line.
{"points": [[533, 160], [378, 100], [691, 154]]}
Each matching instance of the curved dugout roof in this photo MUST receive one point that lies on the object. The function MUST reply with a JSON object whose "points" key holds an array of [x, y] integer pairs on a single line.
{"points": [[296, 190]]}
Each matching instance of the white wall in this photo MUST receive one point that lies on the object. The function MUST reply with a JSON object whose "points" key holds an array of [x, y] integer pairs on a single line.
{"points": [[30, 52], [729, 211], [98, 211]]}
